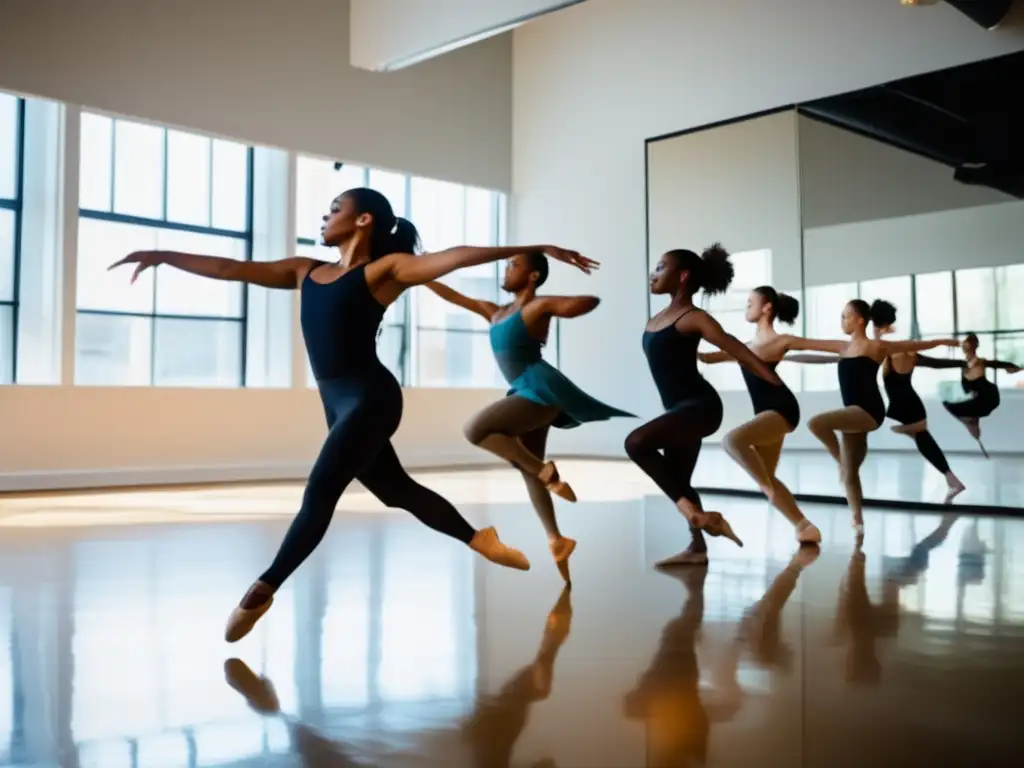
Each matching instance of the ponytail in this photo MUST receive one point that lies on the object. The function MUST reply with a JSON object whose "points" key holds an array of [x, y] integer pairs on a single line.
{"points": [[390, 234]]}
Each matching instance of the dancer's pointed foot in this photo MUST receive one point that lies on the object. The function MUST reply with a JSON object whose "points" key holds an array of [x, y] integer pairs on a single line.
{"points": [[714, 524], [555, 484], [808, 533], [956, 487], [258, 691], [486, 542], [562, 549], [257, 601]]}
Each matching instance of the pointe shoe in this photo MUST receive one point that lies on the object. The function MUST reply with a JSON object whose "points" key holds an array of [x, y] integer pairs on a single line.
{"points": [[486, 542], [808, 534], [954, 491], [259, 692], [242, 620], [716, 525], [561, 550], [555, 484]]}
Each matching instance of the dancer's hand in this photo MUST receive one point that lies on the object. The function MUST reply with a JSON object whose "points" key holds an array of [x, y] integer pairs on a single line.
{"points": [[144, 260], [950, 343], [571, 257]]}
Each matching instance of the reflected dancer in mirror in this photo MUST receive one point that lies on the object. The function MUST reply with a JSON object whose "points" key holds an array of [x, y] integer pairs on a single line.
{"points": [[983, 394]]}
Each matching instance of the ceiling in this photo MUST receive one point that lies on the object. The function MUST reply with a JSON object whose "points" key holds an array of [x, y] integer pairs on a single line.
{"points": [[964, 117]]}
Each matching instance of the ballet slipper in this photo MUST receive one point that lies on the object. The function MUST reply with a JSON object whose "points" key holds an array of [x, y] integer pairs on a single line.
{"points": [[716, 525], [259, 692], [242, 620], [555, 484], [808, 533], [562, 549], [486, 542], [953, 491]]}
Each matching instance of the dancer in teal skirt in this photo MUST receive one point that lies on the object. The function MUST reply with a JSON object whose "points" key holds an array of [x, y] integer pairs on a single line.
{"points": [[516, 427]]}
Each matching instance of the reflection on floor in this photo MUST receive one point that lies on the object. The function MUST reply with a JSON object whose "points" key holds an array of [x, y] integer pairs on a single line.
{"points": [[395, 647], [888, 476]]}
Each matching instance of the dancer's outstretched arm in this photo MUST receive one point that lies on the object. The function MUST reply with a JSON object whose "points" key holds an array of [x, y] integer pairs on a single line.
{"points": [[285, 274], [1002, 365], [567, 306], [485, 309], [715, 357], [811, 359], [409, 270], [815, 345], [934, 362], [892, 347], [715, 334]]}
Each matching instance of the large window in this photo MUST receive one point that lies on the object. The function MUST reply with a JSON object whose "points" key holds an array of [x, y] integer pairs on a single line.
{"points": [[423, 340], [12, 111], [144, 187], [930, 306]]}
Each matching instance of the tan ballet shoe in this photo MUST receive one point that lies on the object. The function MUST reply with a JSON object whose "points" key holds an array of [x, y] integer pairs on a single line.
{"points": [[561, 550], [486, 542], [808, 534], [555, 484], [259, 692], [242, 620], [716, 525]]}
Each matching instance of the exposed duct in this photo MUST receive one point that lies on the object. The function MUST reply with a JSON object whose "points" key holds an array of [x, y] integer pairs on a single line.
{"points": [[985, 13]]}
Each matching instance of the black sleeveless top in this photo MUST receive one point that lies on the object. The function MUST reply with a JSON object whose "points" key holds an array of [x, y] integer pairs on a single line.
{"points": [[672, 358], [339, 324], [858, 384], [766, 396]]}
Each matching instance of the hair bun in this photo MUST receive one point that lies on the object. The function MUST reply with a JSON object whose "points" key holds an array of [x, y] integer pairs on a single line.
{"points": [[787, 309], [882, 313], [718, 269]]}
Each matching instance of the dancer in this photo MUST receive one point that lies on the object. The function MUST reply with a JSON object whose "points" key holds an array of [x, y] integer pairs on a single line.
{"points": [[984, 395], [342, 306], [667, 447], [905, 405], [757, 445], [516, 427], [863, 409]]}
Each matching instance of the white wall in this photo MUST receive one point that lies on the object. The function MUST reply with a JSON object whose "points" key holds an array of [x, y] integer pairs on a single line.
{"points": [[590, 84], [268, 72], [387, 34]]}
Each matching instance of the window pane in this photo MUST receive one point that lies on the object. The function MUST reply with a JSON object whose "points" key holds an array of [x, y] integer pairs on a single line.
{"points": [[390, 349], [105, 754], [1009, 348], [179, 293], [188, 178], [230, 185], [96, 165], [481, 227], [8, 145], [478, 282], [824, 308], [934, 304], [100, 244], [456, 359], [138, 169], [197, 353], [6, 344], [1009, 289], [392, 186], [897, 291], [6, 255], [975, 299], [727, 377], [112, 350], [438, 209]]}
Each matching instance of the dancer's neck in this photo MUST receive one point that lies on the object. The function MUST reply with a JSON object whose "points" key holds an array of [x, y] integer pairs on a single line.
{"points": [[523, 297], [766, 328], [354, 252]]}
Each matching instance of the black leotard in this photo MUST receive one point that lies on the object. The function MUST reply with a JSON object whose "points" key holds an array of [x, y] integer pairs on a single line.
{"points": [[985, 398], [905, 404], [363, 405], [766, 396], [672, 358], [858, 384]]}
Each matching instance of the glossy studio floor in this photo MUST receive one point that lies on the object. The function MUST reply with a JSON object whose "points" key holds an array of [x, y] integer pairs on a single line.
{"points": [[396, 647]]}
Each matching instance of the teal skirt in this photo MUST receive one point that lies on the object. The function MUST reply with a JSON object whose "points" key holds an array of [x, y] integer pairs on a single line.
{"points": [[544, 384]]}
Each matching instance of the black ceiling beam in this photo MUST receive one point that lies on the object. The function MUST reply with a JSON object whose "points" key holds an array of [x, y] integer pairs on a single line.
{"points": [[984, 13]]}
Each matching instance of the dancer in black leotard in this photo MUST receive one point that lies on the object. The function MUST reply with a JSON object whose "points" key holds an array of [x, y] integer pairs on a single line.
{"points": [[667, 447], [863, 409], [342, 306], [984, 395], [905, 405], [757, 445]]}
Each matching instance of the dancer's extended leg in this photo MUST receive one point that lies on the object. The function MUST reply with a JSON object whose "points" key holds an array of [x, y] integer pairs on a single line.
{"points": [[854, 451], [561, 547], [498, 428]]}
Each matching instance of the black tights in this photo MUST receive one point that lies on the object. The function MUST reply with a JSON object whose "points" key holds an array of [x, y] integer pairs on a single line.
{"points": [[930, 450], [666, 448], [358, 446]]}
